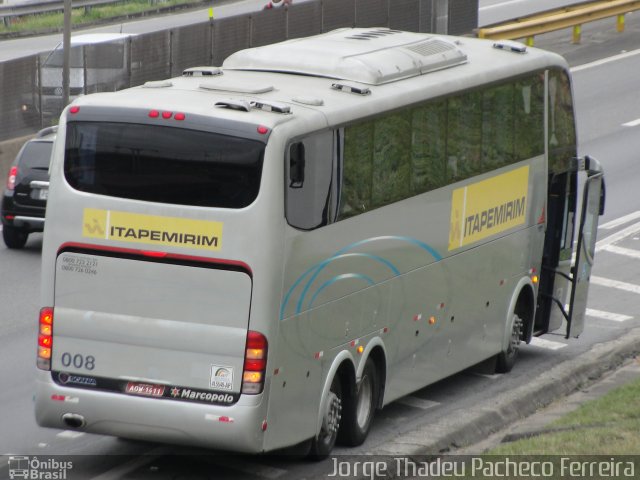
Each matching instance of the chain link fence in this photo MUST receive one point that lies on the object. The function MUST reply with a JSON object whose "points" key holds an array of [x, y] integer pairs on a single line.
{"points": [[31, 95]]}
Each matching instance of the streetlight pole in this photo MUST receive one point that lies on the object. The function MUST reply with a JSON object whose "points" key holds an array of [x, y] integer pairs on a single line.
{"points": [[66, 52]]}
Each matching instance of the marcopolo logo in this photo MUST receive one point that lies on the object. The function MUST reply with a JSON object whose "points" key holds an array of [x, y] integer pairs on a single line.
{"points": [[151, 229], [489, 207], [38, 469]]}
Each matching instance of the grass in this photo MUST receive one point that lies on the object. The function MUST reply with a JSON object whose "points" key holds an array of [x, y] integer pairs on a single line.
{"points": [[608, 426], [47, 22]]}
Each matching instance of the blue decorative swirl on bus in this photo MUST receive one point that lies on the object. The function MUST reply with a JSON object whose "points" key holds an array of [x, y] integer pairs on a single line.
{"points": [[322, 265], [343, 253], [335, 279]]}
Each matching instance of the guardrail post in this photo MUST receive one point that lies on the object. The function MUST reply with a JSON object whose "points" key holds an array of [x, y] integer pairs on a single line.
{"points": [[577, 34], [529, 41], [620, 23]]}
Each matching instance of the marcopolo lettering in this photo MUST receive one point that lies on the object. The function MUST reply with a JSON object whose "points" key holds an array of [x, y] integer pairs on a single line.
{"points": [[162, 236], [494, 217], [202, 396]]}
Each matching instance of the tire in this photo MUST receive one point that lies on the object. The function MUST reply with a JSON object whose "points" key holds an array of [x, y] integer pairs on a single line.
{"points": [[324, 442], [507, 358], [14, 238], [359, 409]]}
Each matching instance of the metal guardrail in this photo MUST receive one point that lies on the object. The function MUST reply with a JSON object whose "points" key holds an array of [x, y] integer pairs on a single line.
{"points": [[568, 17]]}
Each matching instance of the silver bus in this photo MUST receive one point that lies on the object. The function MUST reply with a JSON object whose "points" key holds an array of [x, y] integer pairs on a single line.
{"points": [[263, 254]]}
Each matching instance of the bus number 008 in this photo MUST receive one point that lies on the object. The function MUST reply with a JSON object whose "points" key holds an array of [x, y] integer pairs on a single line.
{"points": [[78, 361]]}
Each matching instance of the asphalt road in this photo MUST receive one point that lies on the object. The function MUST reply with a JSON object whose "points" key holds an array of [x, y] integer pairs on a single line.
{"points": [[607, 104]]}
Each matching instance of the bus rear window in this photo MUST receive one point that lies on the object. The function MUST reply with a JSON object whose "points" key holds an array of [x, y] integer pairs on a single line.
{"points": [[163, 164]]}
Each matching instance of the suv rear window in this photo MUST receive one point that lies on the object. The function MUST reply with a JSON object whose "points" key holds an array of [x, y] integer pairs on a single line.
{"points": [[163, 164], [36, 155]]}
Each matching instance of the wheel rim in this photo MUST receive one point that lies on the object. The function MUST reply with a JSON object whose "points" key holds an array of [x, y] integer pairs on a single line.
{"points": [[514, 340], [331, 419], [365, 396]]}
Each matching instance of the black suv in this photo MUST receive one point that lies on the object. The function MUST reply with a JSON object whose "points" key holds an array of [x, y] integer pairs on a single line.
{"points": [[25, 196]]}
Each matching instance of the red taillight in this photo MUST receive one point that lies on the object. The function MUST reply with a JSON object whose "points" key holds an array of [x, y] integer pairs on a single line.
{"points": [[74, 110], [179, 116], [167, 115], [255, 363], [45, 338], [262, 130], [11, 179], [154, 114]]}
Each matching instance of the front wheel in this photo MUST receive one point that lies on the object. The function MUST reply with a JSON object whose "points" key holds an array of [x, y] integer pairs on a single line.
{"points": [[359, 409], [13, 237], [507, 358]]}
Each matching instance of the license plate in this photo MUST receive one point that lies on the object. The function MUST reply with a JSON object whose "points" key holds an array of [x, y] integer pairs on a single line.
{"points": [[144, 389], [43, 193]]}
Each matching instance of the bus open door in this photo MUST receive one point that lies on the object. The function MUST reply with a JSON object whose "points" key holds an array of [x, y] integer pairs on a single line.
{"points": [[566, 272]]}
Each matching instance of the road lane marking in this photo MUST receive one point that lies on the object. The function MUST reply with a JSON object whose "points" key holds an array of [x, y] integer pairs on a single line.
{"points": [[616, 237], [607, 282], [627, 252], [547, 344], [417, 402], [616, 317], [633, 123], [620, 221], [604, 61]]}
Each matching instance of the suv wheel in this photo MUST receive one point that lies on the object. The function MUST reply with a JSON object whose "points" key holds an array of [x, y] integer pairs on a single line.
{"points": [[13, 237]]}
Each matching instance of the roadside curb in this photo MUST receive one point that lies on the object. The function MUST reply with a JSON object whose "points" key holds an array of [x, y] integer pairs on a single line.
{"points": [[475, 424]]}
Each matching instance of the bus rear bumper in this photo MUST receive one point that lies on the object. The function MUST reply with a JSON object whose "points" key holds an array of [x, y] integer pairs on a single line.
{"points": [[236, 427]]}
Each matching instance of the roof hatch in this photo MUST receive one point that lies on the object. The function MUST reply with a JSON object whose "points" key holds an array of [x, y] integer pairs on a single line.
{"points": [[373, 56]]}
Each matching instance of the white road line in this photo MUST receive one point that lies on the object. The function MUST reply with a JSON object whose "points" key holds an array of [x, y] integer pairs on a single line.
{"points": [[633, 123], [416, 402], [620, 221], [616, 237], [547, 344], [70, 434], [607, 282], [604, 61], [615, 317], [627, 252]]}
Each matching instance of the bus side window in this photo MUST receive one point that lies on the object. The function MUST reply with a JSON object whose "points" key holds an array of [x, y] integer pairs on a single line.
{"points": [[464, 136], [428, 143], [498, 126], [391, 159], [309, 166], [529, 117], [562, 133], [357, 170]]}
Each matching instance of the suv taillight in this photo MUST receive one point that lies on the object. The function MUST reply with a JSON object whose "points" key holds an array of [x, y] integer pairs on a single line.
{"points": [[45, 338], [11, 179], [255, 363]]}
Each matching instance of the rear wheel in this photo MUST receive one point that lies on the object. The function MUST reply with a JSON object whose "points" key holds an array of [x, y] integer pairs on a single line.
{"points": [[13, 237], [359, 409], [507, 358], [322, 445]]}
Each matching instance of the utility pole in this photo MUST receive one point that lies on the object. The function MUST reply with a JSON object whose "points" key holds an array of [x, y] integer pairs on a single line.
{"points": [[66, 52]]}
